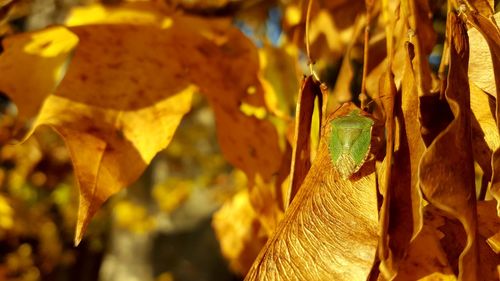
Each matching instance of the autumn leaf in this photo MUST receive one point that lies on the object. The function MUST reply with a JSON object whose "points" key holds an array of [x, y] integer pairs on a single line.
{"points": [[491, 34], [484, 133], [484, 7], [405, 210], [423, 36], [330, 229], [342, 89], [301, 156], [480, 62], [387, 95], [426, 258], [438, 246], [444, 184], [239, 231], [46, 53], [237, 62]]}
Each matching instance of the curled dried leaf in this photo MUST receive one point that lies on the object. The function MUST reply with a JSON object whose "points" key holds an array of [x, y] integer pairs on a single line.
{"points": [[444, 184]]}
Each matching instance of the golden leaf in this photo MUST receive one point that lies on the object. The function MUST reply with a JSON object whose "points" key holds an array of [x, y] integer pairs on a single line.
{"points": [[239, 232], [491, 33], [480, 61], [46, 53]]}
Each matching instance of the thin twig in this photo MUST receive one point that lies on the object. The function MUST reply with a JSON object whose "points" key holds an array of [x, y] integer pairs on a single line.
{"points": [[363, 96], [308, 43]]}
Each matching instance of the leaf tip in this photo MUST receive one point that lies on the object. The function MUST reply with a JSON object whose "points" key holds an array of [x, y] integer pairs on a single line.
{"points": [[81, 226], [78, 239]]}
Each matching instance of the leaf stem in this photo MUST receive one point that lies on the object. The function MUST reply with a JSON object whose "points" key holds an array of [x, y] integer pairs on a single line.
{"points": [[308, 43], [363, 97]]}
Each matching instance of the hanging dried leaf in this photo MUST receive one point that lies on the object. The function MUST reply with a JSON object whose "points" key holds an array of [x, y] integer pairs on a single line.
{"points": [[492, 35], [484, 7], [446, 185], [342, 90], [301, 155], [387, 94], [423, 36], [485, 135], [480, 62], [405, 212], [426, 258], [329, 231]]}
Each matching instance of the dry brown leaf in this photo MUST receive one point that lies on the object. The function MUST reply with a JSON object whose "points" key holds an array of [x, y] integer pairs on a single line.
{"points": [[425, 257], [301, 154], [423, 36], [454, 237], [387, 95], [405, 210], [442, 239], [446, 185], [484, 7], [265, 200], [329, 231], [342, 89], [106, 101]]}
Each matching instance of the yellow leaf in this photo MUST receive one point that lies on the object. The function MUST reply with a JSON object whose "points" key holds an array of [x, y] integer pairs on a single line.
{"points": [[239, 232], [480, 62], [45, 53], [99, 139], [130, 13]]}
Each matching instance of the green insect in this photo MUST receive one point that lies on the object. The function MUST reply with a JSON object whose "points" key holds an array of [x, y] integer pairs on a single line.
{"points": [[350, 142]]}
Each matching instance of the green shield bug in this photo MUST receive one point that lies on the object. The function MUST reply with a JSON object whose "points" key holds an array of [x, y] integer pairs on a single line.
{"points": [[350, 141]]}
